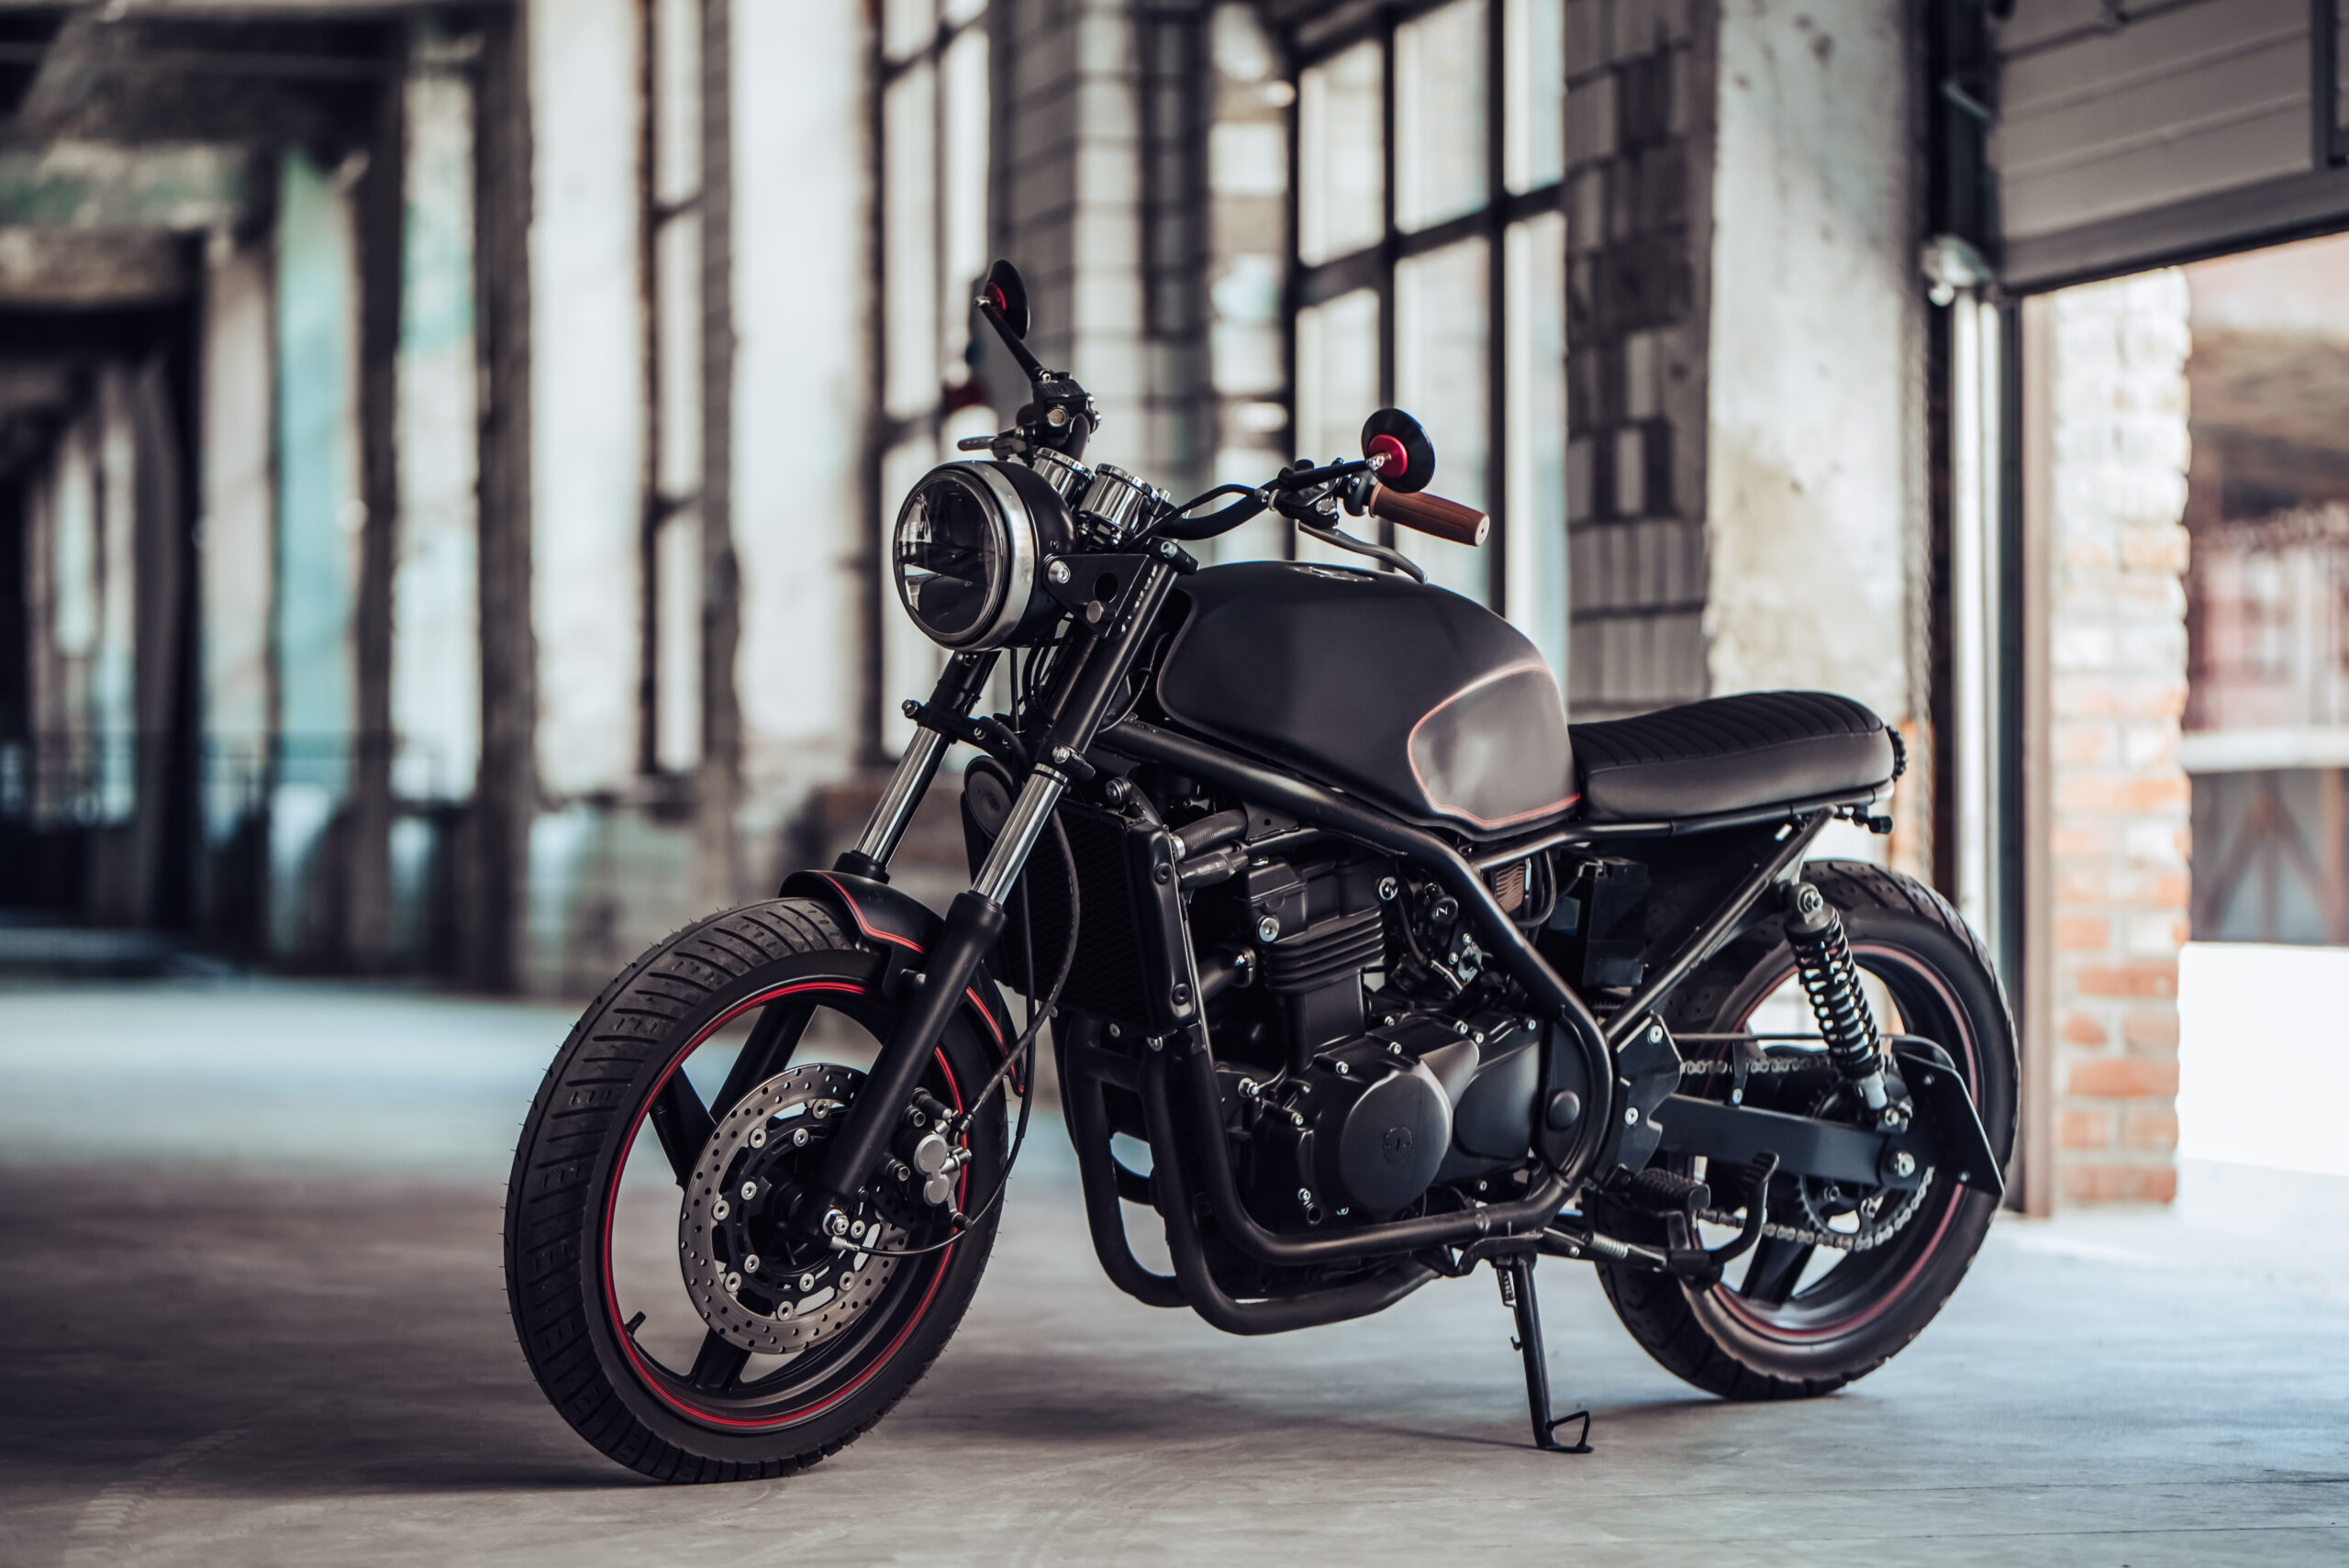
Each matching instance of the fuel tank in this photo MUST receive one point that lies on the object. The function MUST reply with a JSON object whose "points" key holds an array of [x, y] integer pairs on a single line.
{"points": [[1411, 697]]}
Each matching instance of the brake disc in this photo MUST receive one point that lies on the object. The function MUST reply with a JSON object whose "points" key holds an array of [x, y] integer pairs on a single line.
{"points": [[753, 1284]]}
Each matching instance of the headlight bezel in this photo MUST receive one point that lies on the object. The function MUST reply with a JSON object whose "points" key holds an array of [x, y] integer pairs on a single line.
{"points": [[1027, 521]]}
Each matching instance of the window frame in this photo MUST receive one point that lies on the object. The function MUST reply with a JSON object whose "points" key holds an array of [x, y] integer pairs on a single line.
{"points": [[1374, 266], [888, 430]]}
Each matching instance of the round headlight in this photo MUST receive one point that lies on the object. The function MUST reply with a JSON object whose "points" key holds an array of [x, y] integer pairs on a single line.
{"points": [[965, 552]]}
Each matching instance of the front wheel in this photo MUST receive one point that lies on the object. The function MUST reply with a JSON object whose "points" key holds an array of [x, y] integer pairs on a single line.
{"points": [[1796, 1317], [667, 1311]]}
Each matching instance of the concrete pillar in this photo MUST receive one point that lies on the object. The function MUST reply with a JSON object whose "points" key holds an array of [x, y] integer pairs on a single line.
{"points": [[2118, 833]]}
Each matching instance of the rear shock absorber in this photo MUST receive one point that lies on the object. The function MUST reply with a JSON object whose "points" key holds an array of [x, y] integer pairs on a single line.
{"points": [[1815, 930]]}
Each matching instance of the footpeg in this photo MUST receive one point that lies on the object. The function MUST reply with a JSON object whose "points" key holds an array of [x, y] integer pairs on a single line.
{"points": [[1668, 1192], [1516, 1274]]}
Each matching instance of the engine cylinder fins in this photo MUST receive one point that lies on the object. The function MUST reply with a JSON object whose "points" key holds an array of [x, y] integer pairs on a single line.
{"points": [[730, 1248], [1326, 950]]}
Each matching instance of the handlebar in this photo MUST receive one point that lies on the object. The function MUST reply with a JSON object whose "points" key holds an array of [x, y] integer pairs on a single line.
{"points": [[1430, 515]]}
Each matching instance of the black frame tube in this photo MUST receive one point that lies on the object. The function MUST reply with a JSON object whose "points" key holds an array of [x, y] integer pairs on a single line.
{"points": [[1277, 1314], [1531, 1213], [1088, 1130], [1501, 937]]}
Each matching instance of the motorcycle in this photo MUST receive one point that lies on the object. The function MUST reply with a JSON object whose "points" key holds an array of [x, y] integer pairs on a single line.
{"points": [[1391, 971]]}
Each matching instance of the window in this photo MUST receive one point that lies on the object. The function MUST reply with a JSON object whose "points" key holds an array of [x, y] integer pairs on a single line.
{"points": [[1430, 273], [934, 127]]}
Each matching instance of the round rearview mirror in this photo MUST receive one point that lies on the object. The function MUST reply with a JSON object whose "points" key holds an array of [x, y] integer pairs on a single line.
{"points": [[1007, 291], [1406, 457]]}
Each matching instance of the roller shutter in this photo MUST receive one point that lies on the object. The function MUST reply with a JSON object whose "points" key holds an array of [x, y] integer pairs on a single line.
{"points": [[2130, 134]]}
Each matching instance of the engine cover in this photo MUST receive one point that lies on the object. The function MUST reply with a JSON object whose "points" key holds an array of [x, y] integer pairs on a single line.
{"points": [[1373, 1121]]}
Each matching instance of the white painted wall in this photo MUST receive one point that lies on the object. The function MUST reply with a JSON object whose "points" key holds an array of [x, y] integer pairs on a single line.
{"points": [[1815, 511], [587, 392], [801, 386]]}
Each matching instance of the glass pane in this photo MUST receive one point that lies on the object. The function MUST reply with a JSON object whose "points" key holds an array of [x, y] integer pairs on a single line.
{"points": [[1533, 132], [1443, 332], [1536, 259], [909, 242], [1341, 176], [676, 643], [907, 26], [964, 80], [676, 118], [1337, 386], [676, 261], [1440, 150]]}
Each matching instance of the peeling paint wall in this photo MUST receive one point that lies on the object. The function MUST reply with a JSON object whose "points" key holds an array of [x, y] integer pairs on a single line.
{"points": [[588, 392], [801, 385], [1815, 467]]}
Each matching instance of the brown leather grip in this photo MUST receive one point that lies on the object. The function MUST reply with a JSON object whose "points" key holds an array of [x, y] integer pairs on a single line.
{"points": [[1430, 515]]}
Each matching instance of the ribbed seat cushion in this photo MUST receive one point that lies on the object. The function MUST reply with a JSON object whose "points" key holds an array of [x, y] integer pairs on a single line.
{"points": [[1729, 753]]}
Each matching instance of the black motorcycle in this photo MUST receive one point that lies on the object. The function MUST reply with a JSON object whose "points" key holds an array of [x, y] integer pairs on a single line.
{"points": [[1390, 969]]}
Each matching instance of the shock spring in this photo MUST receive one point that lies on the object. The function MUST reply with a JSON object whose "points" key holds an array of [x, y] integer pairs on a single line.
{"points": [[1831, 980]]}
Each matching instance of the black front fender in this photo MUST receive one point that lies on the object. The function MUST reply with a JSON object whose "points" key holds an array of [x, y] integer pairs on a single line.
{"points": [[892, 917]]}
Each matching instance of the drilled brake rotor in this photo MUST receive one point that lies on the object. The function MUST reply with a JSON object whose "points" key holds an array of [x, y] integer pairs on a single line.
{"points": [[752, 1282]]}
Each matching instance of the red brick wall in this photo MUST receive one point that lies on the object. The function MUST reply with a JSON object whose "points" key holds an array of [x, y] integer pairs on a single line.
{"points": [[2119, 843]]}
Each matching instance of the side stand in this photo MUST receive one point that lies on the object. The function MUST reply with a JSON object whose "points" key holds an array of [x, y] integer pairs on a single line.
{"points": [[1516, 1274]]}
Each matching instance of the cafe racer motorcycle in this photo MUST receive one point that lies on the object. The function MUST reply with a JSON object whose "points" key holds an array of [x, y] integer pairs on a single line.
{"points": [[1389, 970]]}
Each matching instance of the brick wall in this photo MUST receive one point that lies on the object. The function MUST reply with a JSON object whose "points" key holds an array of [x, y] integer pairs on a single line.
{"points": [[1639, 171], [2119, 829]]}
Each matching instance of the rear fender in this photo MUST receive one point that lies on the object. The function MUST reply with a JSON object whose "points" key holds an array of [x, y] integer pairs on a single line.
{"points": [[904, 928]]}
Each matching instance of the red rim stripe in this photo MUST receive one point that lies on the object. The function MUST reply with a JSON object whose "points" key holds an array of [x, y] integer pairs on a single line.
{"points": [[648, 1376]]}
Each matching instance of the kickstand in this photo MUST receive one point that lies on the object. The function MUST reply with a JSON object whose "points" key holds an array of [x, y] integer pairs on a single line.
{"points": [[1517, 1292]]}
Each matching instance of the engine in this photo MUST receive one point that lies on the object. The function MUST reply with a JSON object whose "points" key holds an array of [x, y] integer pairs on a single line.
{"points": [[1360, 1078]]}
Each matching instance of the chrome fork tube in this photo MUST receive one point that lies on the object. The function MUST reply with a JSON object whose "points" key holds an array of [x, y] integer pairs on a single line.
{"points": [[916, 772], [1030, 816]]}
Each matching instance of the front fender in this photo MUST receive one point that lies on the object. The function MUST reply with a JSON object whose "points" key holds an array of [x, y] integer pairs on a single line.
{"points": [[894, 918]]}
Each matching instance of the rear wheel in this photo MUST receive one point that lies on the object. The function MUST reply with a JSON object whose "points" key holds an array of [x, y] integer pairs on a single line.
{"points": [[1796, 1317], [668, 1313]]}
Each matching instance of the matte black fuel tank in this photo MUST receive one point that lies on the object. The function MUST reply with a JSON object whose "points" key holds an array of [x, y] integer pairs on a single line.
{"points": [[1412, 698]]}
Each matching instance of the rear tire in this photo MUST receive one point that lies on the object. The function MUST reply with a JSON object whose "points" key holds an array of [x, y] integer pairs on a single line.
{"points": [[1824, 1334], [592, 1112]]}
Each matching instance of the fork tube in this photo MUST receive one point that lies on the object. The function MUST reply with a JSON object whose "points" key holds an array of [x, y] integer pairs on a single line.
{"points": [[959, 685]]}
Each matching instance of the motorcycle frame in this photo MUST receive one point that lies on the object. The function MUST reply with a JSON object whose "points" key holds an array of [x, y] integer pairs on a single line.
{"points": [[1173, 1073]]}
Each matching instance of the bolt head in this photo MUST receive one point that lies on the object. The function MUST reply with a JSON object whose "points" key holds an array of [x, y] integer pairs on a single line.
{"points": [[1655, 1033], [749, 1190], [1057, 571], [807, 1282], [799, 1138], [733, 1284], [1344, 1070], [1388, 887], [1631, 1116], [750, 1264], [1304, 1195], [835, 1223], [1268, 928], [757, 1137], [911, 708], [721, 1209], [1904, 1164]]}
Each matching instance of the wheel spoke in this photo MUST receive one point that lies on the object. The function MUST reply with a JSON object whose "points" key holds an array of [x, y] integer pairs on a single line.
{"points": [[1777, 1268], [719, 1364], [773, 1039], [681, 1122]]}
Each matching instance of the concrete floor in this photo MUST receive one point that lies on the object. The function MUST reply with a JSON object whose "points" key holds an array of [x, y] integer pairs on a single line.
{"points": [[250, 1289]]}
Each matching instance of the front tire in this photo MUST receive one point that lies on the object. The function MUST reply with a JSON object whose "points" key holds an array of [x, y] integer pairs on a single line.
{"points": [[602, 1166], [1791, 1327]]}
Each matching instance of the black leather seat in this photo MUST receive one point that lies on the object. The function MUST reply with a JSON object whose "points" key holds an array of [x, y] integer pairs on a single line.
{"points": [[1729, 753]]}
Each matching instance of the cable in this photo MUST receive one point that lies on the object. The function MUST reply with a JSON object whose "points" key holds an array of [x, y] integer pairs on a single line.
{"points": [[1022, 1048]]}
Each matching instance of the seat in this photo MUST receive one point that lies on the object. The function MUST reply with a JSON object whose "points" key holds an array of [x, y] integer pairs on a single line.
{"points": [[1729, 753]]}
